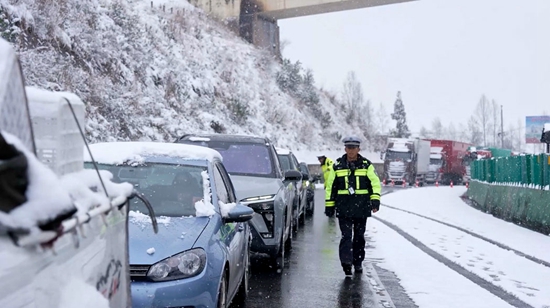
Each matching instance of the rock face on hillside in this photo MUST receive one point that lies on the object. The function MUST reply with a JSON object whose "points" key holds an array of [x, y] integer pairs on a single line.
{"points": [[154, 73]]}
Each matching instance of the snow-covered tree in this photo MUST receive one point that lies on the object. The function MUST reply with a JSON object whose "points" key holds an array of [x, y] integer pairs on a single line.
{"points": [[495, 123], [382, 120], [437, 128], [366, 120], [400, 116], [482, 118], [289, 77], [425, 133], [352, 96], [475, 135], [451, 133]]}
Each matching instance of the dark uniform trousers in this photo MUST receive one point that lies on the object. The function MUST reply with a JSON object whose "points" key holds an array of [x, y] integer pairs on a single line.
{"points": [[353, 240]]}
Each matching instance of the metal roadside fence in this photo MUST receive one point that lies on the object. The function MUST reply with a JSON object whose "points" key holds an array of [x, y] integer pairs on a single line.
{"points": [[524, 170]]}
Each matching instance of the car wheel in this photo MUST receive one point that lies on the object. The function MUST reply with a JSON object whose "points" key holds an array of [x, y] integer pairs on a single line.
{"points": [[242, 293], [280, 259], [295, 220], [311, 208], [222, 292]]}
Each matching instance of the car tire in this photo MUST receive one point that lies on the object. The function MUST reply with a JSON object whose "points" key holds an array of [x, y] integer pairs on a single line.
{"points": [[295, 220], [222, 292], [311, 208], [302, 218], [279, 261], [242, 293]]}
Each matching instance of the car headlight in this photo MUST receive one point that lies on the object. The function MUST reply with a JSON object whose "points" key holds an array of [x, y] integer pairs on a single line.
{"points": [[184, 265], [256, 199], [264, 203], [307, 183]]}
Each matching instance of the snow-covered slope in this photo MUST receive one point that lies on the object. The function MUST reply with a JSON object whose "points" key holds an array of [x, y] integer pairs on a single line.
{"points": [[155, 72]]}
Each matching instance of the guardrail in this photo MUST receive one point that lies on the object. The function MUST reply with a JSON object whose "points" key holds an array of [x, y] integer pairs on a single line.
{"points": [[514, 188], [526, 170]]}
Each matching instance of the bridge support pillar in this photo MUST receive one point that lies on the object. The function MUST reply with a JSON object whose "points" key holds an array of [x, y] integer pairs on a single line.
{"points": [[261, 31]]}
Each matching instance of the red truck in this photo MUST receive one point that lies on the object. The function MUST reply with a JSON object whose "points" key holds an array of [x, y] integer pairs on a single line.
{"points": [[451, 153]]}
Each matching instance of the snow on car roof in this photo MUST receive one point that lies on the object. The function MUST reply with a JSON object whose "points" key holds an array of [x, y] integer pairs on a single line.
{"points": [[282, 151], [114, 153], [45, 103], [436, 149], [399, 148]]}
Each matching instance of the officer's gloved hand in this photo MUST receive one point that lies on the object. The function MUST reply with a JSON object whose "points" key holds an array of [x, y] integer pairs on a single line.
{"points": [[375, 205], [329, 211]]}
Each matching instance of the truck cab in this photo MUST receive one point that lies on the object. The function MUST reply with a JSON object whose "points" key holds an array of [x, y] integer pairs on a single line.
{"points": [[406, 160], [436, 163]]}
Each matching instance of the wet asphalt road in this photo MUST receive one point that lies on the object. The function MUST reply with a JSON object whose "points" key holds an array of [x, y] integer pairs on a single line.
{"points": [[313, 276]]}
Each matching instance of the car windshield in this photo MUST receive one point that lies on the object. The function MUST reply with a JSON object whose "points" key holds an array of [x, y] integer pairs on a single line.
{"points": [[394, 155], [171, 189], [285, 162], [241, 158], [435, 161]]}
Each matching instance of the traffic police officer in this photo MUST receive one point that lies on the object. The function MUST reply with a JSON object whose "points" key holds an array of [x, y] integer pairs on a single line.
{"points": [[327, 168], [352, 191]]}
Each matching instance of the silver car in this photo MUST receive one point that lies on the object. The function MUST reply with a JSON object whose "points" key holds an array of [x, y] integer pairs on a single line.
{"points": [[260, 184]]}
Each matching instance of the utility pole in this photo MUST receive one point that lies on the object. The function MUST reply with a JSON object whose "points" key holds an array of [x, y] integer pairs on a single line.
{"points": [[501, 128]]}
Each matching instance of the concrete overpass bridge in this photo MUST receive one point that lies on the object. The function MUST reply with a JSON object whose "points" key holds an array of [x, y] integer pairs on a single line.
{"points": [[257, 19]]}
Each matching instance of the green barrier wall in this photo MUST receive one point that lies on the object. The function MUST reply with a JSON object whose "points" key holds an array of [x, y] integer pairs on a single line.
{"points": [[512, 188], [524, 206], [527, 169]]}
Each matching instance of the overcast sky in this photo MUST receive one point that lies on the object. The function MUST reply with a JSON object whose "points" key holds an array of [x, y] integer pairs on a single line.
{"points": [[441, 54]]}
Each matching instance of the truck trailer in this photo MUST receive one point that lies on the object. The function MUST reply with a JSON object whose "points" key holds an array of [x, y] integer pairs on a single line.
{"points": [[451, 153]]}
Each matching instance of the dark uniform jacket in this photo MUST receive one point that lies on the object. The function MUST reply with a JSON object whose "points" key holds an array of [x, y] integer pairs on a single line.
{"points": [[352, 186]]}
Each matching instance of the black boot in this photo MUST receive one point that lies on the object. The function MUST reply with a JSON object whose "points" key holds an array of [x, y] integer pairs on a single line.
{"points": [[347, 270]]}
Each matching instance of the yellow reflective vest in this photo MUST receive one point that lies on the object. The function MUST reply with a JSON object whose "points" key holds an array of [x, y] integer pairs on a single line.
{"points": [[327, 168], [351, 186]]}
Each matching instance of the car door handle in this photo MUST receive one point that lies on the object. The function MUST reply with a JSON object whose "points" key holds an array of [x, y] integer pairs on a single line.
{"points": [[240, 227]]}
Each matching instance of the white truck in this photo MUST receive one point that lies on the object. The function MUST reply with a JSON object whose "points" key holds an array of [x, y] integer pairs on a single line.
{"points": [[406, 160]]}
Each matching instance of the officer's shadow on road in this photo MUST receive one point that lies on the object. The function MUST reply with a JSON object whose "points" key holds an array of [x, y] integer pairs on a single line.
{"points": [[351, 293]]}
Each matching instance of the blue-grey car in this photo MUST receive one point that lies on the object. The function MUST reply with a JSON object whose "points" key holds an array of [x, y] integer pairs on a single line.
{"points": [[200, 256], [261, 184]]}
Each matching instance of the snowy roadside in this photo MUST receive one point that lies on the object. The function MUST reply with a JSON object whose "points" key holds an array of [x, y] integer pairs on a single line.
{"points": [[444, 203], [503, 268], [427, 281]]}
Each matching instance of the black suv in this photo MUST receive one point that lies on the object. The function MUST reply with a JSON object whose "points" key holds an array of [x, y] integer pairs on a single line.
{"points": [[309, 185], [260, 184], [289, 162]]}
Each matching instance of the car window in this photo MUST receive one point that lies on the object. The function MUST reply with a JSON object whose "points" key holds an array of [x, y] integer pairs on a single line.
{"points": [[242, 158], [171, 189], [284, 160], [304, 169], [228, 183], [295, 164], [221, 190]]}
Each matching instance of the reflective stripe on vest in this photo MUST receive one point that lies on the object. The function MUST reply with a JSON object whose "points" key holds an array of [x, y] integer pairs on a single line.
{"points": [[357, 192], [344, 173]]}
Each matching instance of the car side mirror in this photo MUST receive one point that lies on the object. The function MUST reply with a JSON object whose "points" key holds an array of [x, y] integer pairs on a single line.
{"points": [[305, 176], [293, 175], [240, 213]]}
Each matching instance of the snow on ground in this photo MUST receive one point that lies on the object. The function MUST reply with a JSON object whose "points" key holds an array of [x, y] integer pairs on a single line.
{"points": [[444, 204], [425, 279]]}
